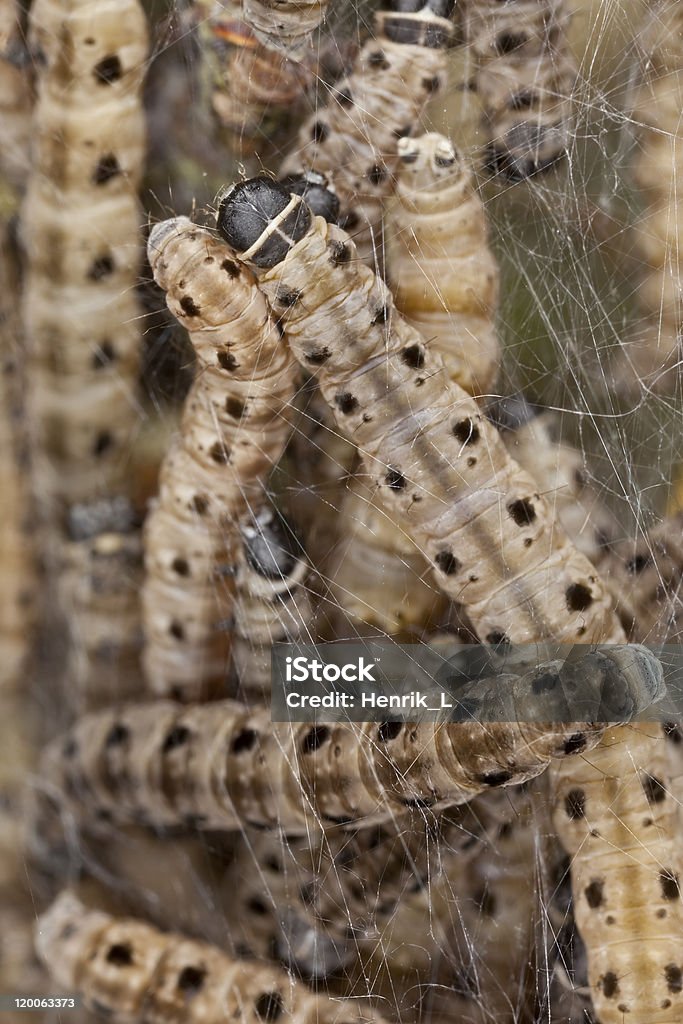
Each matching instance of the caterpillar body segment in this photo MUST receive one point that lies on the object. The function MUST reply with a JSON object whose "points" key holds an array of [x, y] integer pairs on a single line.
{"points": [[219, 765], [442, 273], [524, 77], [80, 228], [353, 138], [651, 356], [273, 601], [233, 429], [438, 464], [133, 973], [99, 585], [376, 573], [559, 469], [285, 25], [617, 817], [647, 577]]}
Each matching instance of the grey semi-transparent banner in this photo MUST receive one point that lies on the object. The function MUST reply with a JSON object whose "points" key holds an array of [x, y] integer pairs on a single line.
{"points": [[14, 1001], [378, 680]]}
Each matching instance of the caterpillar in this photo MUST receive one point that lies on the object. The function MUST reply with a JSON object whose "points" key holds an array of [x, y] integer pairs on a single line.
{"points": [[253, 90], [15, 95], [533, 436], [129, 970], [647, 576], [438, 464], [272, 599], [376, 574], [285, 25], [650, 357], [80, 228], [220, 765], [616, 816], [99, 585], [442, 273], [233, 429], [353, 138], [524, 78]]}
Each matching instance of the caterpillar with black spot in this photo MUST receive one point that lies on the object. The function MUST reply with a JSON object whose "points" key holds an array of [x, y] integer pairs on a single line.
{"points": [[442, 273], [353, 138], [524, 77], [234, 428], [533, 436], [650, 358], [81, 232], [99, 586], [272, 597], [220, 765], [128, 970], [647, 577], [617, 817], [285, 25], [438, 464]]}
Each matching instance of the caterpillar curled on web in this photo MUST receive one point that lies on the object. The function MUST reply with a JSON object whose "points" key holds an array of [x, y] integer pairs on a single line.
{"points": [[218, 765], [443, 275], [617, 817], [130, 970], [272, 598], [81, 232], [438, 464], [233, 429], [353, 138], [524, 78]]}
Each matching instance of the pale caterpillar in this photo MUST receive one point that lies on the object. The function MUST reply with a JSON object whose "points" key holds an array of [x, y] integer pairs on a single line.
{"points": [[533, 436], [353, 138], [376, 574], [439, 465], [285, 25], [233, 429], [99, 584], [216, 766], [443, 275], [616, 816], [647, 577], [651, 357], [80, 228], [524, 78], [128, 970]]}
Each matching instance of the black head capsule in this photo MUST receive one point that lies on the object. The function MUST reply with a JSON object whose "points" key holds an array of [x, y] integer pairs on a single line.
{"points": [[316, 191], [271, 547], [442, 8], [250, 220]]}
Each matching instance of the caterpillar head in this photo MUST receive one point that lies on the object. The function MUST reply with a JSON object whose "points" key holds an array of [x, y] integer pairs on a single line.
{"points": [[261, 221], [429, 161], [418, 23], [526, 149], [317, 192]]}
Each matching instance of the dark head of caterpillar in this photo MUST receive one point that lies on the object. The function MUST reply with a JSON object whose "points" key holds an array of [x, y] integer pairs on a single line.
{"points": [[511, 411], [317, 192], [525, 150], [261, 221], [418, 22], [271, 546]]}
